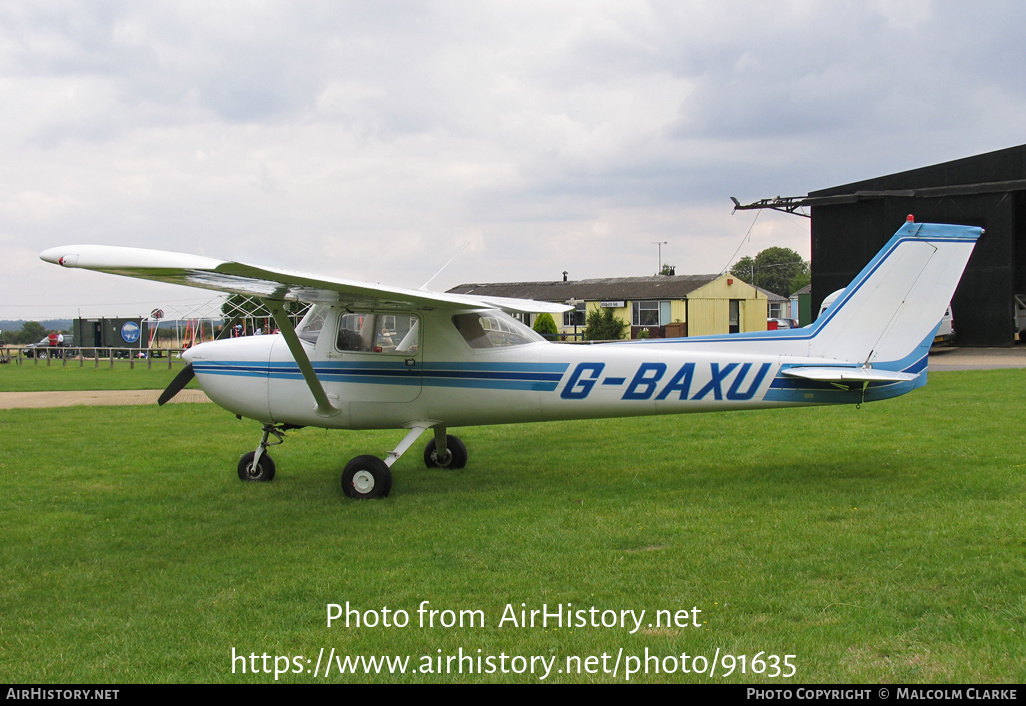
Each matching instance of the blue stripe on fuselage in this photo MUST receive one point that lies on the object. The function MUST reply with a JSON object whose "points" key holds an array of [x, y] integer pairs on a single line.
{"points": [[542, 377]]}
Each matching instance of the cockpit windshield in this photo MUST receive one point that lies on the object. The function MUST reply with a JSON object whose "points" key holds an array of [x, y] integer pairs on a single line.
{"points": [[309, 328], [493, 329]]}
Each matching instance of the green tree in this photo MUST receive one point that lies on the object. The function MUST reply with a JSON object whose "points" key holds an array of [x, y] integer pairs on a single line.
{"points": [[603, 326], [779, 270], [31, 331], [546, 326]]}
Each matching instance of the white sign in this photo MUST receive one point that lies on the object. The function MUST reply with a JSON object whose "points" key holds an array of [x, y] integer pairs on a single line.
{"points": [[130, 332]]}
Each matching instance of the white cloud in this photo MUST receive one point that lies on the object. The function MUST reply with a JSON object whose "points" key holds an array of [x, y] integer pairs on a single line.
{"points": [[372, 139]]}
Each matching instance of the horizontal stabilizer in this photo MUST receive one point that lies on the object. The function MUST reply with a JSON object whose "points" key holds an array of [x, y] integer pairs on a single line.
{"points": [[838, 374]]}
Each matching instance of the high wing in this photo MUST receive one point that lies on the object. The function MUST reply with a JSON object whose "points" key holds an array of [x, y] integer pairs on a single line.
{"points": [[269, 282]]}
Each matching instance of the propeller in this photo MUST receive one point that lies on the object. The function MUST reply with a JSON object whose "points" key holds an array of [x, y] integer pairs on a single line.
{"points": [[181, 380], [185, 377]]}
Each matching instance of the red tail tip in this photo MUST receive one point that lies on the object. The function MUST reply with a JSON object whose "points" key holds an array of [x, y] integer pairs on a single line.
{"points": [[910, 218]]}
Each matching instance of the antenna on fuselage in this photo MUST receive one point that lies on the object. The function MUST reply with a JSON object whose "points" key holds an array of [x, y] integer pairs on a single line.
{"points": [[425, 285]]}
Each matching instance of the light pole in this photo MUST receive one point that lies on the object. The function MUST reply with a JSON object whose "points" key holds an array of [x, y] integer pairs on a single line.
{"points": [[765, 267], [659, 254], [756, 267]]}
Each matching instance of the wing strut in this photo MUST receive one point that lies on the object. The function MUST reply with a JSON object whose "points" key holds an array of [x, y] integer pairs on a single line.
{"points": [[324, 406]]}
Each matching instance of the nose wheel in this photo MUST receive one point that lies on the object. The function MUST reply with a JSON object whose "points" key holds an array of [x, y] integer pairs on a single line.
{"points": [[257, 466], [259, 472]]}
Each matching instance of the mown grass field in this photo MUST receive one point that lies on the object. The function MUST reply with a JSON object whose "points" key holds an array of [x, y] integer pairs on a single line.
{"points": [[76, 374], [884, 544]]}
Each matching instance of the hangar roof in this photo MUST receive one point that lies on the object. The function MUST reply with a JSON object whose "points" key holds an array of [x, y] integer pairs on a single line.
{"points": [[995, 172]]}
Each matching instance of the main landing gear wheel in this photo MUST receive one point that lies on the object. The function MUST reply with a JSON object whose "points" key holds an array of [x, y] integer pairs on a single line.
{"points": [[456, 456], [260, 473], [366, 478]]}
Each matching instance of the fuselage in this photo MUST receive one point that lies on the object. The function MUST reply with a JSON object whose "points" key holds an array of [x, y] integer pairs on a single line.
{"points": [[387, 369]]}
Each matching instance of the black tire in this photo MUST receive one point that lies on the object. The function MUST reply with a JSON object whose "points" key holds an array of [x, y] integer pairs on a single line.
{"points": [[457, 454], [263, 473], [366, 478]]}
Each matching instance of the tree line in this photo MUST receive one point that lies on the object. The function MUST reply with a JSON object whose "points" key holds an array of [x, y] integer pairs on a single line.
{"points": [[778, 270], [30, 332]]}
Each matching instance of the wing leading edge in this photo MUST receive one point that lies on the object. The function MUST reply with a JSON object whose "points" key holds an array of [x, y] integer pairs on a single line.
{"points": [[270, 283]]}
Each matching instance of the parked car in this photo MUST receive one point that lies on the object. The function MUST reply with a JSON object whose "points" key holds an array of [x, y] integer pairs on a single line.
{"points": [[946, 332], [1020, 315], [42, 349], [774, 324]]}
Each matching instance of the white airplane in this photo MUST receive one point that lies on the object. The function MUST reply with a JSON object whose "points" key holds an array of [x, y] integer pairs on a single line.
{"points": [[372, 357]]}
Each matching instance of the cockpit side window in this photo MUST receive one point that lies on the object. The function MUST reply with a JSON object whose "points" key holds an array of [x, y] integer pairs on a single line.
{"points": [[378, 333]]}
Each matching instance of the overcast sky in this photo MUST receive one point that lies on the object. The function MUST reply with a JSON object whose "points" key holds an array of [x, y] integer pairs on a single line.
{"points": [[372, 140]]}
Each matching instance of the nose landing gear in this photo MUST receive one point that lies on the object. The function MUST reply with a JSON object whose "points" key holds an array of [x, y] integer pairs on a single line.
{"points": [[258, 466]]}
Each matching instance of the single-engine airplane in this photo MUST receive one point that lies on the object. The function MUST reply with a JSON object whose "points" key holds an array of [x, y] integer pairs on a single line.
{"points": [[367, 356]]}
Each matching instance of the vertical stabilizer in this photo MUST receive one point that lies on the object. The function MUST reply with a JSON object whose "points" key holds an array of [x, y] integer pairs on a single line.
{"points": [[894, 305]]}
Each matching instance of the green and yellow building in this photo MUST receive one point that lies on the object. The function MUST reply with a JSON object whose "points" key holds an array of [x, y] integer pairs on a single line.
{"points": [[664, 306]]}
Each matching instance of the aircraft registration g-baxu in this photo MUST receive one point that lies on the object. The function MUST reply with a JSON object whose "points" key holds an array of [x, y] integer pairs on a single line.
{"points": [[372, 357]]}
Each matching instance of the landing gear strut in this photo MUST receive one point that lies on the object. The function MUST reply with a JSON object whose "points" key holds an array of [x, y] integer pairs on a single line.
{"points": [[369, 477]]}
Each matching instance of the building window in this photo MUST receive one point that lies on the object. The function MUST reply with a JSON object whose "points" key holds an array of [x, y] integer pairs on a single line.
{"points": [[577, 317], [650, 313]]}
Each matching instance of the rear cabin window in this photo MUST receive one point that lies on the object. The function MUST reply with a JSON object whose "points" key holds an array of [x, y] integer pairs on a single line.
{"points": [[493, 329]]}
